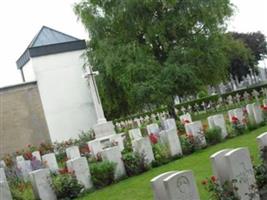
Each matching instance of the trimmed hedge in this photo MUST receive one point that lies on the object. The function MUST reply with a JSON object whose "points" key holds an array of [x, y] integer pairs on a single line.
{"points": [[213, 98]]}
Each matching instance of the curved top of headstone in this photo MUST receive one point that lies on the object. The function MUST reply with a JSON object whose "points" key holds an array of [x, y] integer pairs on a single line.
{"points": [[49, 41]]}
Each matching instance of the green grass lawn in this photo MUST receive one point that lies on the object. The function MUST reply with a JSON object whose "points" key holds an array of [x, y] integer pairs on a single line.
{"points": [[138, 187]]}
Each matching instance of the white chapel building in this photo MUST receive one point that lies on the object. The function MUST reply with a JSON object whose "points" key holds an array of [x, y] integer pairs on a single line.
{"points": [[56, 62]]}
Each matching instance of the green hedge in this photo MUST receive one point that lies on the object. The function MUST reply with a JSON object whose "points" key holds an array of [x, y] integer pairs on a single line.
{"points": [[213, 98]]}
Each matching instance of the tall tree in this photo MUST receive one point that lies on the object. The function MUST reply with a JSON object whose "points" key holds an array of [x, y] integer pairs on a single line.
{"points": [[257, 48], [149, 51]]}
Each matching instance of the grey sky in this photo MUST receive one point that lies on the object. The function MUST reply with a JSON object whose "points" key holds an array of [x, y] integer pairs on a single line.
{"points": [[21, 20]]}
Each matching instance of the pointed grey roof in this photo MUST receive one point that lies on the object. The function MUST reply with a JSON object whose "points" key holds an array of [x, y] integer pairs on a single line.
{"points": [[49, 41], [47, 36]]}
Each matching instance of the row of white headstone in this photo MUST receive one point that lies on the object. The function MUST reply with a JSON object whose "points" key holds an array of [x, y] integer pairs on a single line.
{"points": [[227, 165], [142, 145]]}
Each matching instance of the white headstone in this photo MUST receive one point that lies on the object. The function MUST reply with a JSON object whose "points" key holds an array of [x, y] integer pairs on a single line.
{"points": [[41, 183], [81, 171], [181, 186], [219, 166], [257, 113], [218, 121], [241, 169], [5, 193], [262, 140], [171, 139], [73, 152], [158, 186], [2, 164], [37, 155], [185, 117], [143, 146], [264, 102], [169, 124], [196, 130], [113, 154], [118, 139], [135, 134], [249, 108], [24, 167], [238, 112], [95, 147], [50, 161], [153, 128]]}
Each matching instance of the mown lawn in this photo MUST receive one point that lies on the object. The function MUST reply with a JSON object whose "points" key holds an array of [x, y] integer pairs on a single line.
{"points": [[138, 187]]}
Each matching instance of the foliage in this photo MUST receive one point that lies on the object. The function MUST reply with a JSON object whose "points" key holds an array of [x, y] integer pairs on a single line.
{"points": [[66, 186], [187, 144], [264, 111], [237, 126], [147, 52], [261, 175], [217, 191], [249, 48], [102, 173], [161, 154], [255, 41], [21, 190], [134, 163], [213, 135]]}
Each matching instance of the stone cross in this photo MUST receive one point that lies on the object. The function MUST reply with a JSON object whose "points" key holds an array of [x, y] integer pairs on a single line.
{"points": [[90, 75]]}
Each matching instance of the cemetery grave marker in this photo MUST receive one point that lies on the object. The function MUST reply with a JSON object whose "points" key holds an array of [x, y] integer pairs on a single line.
{"points": [[41, 183], [50, 161], [73, 152], [157, 185], [181, 186], [218, 121], [81, 171], [143, 146]]}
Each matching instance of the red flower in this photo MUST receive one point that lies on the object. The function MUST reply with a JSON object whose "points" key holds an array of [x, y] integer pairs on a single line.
{"points": [[235, 120], [213, 179], [153, 138], [264, 108], [186, 121]]}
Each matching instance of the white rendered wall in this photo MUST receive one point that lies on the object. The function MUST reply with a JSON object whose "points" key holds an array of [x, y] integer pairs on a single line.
{"points": [[28, 72], [65, 94]]}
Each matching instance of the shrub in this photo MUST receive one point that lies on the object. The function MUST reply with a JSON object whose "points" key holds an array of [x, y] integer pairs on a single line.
{"points": [[66, 186], [161, 154], [187, 144], [218, 191], [261, 176], [237, 126], [102, 173], [213, 135], [134, 163], [21, 190]]}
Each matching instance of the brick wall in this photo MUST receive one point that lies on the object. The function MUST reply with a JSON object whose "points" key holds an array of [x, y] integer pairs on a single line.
{"points": [[22, 119]]}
